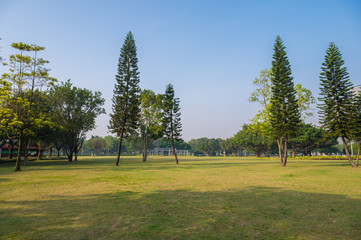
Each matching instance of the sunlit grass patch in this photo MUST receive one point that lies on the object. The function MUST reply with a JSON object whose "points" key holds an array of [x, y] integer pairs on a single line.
{"points": [[202, 198]]}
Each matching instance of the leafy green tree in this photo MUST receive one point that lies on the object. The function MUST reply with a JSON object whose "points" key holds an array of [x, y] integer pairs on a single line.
{"points": [[336, 107], [310, 138], [150, 122], [125, 117], [263, 93], [284, 110], [208, 146], [25, 72], [305, 99], [250, 137], [171, 120], [111, 144], [230, 146], [97, 144], [75, 110], [178, 144]]}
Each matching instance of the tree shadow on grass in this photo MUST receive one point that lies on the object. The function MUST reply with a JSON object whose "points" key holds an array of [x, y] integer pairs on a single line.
{"points": [[251, 213]]}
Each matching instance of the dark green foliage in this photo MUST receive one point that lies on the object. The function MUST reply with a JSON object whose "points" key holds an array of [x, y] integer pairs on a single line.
{"points": [[75, 110], [336, 108], [356, 128], [230, 146], [336, 97], [284, 111], [171, 120], [207, 146], [125, 116], [285, 116], [251, 138], [178, 144], [150, 122], [311, 138]]}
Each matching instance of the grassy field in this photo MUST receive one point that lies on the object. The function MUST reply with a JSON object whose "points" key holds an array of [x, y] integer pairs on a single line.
{"points": [[202, 198]]}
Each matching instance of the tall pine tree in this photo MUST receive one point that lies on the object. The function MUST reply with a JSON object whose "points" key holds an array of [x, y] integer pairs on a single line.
{"points": [[125, 116], [356, 130], [171, 118], [284, 111], [337, 110]]}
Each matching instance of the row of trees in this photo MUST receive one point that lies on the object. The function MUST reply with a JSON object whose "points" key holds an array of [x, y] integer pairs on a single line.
{"points": [[35, 111], [142, 115], [283, 104]]}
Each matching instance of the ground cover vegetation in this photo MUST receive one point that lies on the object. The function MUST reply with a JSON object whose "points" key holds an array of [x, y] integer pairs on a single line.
{"points": [[202, 198]]}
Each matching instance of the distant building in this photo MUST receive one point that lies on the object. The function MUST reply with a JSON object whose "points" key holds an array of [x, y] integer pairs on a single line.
{"points": [[5, 151]]}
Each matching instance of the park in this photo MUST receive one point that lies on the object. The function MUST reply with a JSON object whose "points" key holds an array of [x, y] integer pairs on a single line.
{"points": [[201, 198], [180, 120]]}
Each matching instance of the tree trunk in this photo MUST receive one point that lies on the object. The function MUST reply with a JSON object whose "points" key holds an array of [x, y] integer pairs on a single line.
{"points": [[358, 153], [174, 152], [11, 148], [285, 153], [51, 152], [279, 143], [119, 148], [293, 150], [58, 149], [26, 155], [348, 153], [75, 156], [18, 159], [70, 156], [145, 152], [39, 152]]}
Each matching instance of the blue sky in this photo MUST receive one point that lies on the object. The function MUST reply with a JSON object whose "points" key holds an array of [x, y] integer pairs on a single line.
{"points": [[209, 50]]}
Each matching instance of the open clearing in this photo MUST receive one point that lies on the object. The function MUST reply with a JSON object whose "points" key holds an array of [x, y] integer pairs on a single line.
{"points": [[202, 198]]}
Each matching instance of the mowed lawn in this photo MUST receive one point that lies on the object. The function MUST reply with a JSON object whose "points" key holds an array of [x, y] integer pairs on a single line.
{"points": [[202, 198]]}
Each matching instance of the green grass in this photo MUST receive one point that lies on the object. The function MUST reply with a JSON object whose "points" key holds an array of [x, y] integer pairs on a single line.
{"points": [[202, 198]]}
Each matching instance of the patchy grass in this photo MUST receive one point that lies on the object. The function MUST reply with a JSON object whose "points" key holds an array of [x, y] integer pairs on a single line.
{"points": [[202, 198]]}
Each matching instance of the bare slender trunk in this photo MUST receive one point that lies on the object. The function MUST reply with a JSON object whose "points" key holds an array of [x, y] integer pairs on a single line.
{"points": [[75, 156], [145, 152], [119, 148], [39, 152], [174, 151], [285, 153], [279, 143], [58, 149], [348, 153], [18, 159], [293, 150], [51, 152], [358, 153], [11, 148], [26, 155]]}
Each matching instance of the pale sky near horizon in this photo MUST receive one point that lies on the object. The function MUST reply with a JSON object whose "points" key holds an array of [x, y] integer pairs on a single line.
{"points": [[209, 50]]}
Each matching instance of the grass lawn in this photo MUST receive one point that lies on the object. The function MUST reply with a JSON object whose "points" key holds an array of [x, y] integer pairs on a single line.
{"points": [[202, 198]]}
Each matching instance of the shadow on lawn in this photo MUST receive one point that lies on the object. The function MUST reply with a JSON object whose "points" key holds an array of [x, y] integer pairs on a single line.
{"points": [[253, 213]]}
